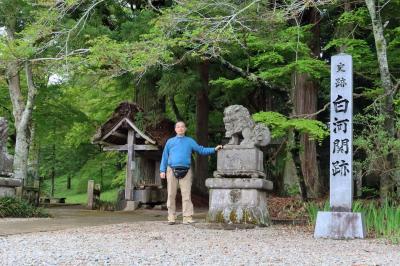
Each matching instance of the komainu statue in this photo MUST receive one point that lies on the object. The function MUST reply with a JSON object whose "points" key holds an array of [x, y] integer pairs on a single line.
{"points": [[238, 191], [241, 156], [6, 160], [239, 124]]}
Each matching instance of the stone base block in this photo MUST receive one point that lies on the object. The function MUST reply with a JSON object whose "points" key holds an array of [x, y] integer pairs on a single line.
{"points": [[239, 173], [340, 225], [7, 192], [8, 186], [239, 161], [243, 183], [238, 201], [131, 205]]}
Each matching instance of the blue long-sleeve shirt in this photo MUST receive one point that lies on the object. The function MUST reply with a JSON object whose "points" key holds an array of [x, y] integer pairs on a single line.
{"points": [[178, 151]]}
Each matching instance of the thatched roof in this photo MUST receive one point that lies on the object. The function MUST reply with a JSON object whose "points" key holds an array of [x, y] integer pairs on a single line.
{"points": [[115, 129]]}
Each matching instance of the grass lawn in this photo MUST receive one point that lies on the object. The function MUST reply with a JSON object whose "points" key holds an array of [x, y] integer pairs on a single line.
{"points": [[110, 195], [73, 195]]}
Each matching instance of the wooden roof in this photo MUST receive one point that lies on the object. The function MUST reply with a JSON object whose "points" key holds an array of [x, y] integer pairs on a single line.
{"points": [[115, 130]]}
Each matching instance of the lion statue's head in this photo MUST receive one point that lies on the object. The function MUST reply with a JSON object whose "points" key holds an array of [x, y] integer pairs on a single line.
{"points": [[236, 119]]}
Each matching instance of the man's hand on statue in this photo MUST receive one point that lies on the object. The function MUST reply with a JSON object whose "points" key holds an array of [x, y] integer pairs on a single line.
{"points": [[219, 147], [162, 175]]}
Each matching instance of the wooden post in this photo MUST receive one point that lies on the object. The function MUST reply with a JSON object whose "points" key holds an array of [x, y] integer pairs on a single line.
{"points": [[130, 166], [36, 185], [69, 182], [157, 173], [90, 190]]}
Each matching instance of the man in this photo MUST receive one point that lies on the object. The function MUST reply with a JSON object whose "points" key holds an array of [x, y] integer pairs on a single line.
{"points": [[177, 155]]}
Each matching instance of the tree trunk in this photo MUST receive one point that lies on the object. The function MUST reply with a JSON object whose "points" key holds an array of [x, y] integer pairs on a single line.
{"points": [[22, 111], [387, 183], [174, 108], [22, 115], [33, 160], [202, 109], [53, 167], [305, 101], [296, 154]]}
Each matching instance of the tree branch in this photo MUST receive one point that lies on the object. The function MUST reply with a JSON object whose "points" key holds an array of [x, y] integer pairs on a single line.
{"points": [[32, 91], [308, 116], [75, 52], [175, 108], [247, 75], [153, 7]]}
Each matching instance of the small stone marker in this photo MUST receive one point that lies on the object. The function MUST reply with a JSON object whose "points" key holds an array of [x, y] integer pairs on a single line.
{"points": [[93, 193], [341, 223]]}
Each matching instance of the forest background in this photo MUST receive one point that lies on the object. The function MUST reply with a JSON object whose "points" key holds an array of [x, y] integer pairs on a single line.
{"points": [[66, 65]]}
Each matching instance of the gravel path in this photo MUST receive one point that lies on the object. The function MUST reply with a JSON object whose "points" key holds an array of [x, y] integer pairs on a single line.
{"points": [[156, 243]]}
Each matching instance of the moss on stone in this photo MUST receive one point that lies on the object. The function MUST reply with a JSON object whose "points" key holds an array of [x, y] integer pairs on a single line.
{"points": [[219, 218], [233, 217]]}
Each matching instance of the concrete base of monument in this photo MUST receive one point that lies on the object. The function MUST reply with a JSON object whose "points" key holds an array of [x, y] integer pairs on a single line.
{"points": [[238, 201], [340, 225]]}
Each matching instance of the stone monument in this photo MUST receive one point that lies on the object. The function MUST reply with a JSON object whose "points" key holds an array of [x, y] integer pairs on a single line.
{"points": [[7, 183], [238, 190], [341, 222]]}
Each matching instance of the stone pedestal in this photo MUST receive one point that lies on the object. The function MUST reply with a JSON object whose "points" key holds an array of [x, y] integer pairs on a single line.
{"points": [[238, 200], [340, 225], [8, 186], [239, 161]]}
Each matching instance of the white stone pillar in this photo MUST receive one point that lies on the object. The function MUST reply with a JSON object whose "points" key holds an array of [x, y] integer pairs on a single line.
{"points": [[340, 222]]}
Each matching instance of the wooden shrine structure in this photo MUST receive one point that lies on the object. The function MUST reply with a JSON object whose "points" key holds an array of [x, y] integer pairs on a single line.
{"points": [[144, 147]]}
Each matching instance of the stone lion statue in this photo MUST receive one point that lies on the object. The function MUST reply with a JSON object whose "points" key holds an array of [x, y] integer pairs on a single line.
{"points": [[3, 134], [239, 124], [6, 160]]}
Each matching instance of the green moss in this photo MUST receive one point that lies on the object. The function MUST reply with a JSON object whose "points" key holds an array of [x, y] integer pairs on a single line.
{"points": [[233, 217], [219, 217], [249, 218]]}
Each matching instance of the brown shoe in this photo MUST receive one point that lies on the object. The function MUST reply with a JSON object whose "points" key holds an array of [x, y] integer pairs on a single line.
{"points": [[171, 222]]}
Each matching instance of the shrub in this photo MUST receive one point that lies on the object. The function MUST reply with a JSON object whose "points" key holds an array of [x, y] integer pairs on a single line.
{"points": [[12, 207]]}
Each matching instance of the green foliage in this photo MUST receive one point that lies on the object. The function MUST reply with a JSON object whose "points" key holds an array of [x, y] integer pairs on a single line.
{"points": [[292, 190], [374, 143], [131, 52], [101, 168], [276, 122], [364, 59], [234, 90], [381, 220], [119, 180], [12, 207], [280, 125], [358, 16], [313, 208]]}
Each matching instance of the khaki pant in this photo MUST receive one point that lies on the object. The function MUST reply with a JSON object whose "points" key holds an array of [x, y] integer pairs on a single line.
{"points": [[185, 185]]}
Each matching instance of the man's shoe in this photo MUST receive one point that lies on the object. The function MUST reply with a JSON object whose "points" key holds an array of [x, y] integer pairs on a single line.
{"points": [[188, 220], [171, 219]]}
